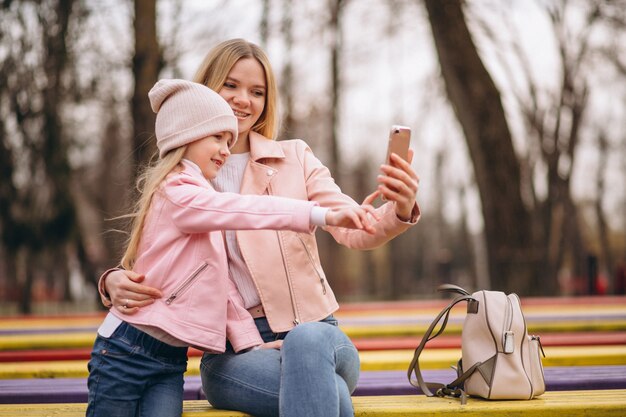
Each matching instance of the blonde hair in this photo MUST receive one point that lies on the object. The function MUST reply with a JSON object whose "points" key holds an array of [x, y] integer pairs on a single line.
{"points": [[217, 65], [147, 184]]}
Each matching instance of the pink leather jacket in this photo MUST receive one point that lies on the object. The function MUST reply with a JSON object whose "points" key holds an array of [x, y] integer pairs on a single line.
{"points": [[182, 252], [285, 265]]}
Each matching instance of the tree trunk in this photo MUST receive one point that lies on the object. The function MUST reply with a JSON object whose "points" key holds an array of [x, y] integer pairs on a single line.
{"points": [[607, 258], [477, 104], [147, 64], [334, 255], [264, 26], [287, 72], [336, 9]]}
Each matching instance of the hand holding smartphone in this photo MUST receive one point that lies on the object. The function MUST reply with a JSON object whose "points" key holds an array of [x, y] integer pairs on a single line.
{"points": [[399, 140]]}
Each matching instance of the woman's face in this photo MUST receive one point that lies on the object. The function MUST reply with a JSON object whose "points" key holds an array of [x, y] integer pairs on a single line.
{"points": [[245, 91]]}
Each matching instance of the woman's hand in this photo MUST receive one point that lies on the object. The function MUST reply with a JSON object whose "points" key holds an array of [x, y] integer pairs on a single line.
{"points": [[127, 293], [275, 344], [352, 217], [399, 183]]}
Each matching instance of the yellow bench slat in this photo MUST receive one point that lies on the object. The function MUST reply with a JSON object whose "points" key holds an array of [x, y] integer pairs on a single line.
{"points": [[85, 339], [418, 330], [599, 403], [387, 360], [530, 311], [47, 341]]}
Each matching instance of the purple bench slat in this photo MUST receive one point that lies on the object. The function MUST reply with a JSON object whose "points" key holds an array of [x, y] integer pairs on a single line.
{"points": [[558, 378], [566, 378], [67, 390]]}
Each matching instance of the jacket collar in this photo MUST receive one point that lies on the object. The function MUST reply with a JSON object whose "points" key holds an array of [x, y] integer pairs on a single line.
{"points": [[258, 176], [262, 147], [193, 170]]}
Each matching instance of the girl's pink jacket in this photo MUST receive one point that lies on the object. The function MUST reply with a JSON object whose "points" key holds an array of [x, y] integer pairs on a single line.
{"points": [[182, 253]]}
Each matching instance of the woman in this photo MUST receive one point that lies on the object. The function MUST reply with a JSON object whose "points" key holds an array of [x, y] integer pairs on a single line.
{"points": [[279, 274]]}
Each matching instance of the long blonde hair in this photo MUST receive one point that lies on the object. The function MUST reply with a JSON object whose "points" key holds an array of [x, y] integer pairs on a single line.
{"points": [[147, 184], [217, 65]]}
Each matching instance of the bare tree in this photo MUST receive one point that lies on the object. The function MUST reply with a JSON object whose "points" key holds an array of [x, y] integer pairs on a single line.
{"points": [[606, 250], [336, 8], [554, 121], [264, 26], [286, 86], [37, 214], [147, 63], [477, 105]]}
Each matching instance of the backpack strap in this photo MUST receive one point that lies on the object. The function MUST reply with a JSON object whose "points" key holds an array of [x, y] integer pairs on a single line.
{"points": [[428, 387], [454, 388], [452, 289]]}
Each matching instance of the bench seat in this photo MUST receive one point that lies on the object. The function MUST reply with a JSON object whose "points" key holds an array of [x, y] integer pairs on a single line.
{"points": [[427, 308], [362, 344], [80, 338], [370, 319], [599, 403], [70, 390], [534, 319], [388, 360], [558, 378]]}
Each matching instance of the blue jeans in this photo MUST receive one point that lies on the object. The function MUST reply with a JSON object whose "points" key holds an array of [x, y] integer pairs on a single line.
{"points": [[312, 375], [132, 374]]}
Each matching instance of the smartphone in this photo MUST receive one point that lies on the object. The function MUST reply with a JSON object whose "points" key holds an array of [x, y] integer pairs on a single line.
{"points": [[399, 139]]}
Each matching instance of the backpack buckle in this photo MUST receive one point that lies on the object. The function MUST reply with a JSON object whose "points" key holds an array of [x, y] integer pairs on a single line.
{"points": [[472, 306]]}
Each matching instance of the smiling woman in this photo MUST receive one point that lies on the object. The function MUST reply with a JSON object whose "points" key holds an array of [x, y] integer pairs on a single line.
{"points": [[278, 274]]}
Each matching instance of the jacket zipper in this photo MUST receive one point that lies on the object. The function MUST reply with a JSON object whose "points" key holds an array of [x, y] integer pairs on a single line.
{"points": [[186, 283], [322, 280], [296, 320]]}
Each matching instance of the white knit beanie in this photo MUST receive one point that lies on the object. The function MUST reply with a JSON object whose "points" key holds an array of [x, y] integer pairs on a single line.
{"points": [[188, 111]]}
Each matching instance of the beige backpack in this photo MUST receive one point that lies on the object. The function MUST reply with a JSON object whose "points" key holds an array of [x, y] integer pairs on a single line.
{"points": [[500, 361]]}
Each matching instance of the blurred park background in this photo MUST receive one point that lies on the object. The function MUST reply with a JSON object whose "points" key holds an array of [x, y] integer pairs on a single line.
{"points": [[518, 112]]}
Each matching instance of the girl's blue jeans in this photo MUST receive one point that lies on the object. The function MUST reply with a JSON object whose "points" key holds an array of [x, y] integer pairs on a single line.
{"points": [[313, 374], [132, 374]]}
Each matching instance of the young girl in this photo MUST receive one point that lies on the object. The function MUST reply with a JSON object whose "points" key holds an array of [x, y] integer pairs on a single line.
{"points": [[138, 361]]}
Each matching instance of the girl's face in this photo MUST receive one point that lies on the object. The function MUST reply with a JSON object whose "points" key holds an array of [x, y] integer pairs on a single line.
{"points": [[209, 153], [245, 91]]}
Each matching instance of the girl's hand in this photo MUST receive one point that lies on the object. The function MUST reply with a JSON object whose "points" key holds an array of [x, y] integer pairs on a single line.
{"points": [[126, 292], [399, 183], [352, 217]]}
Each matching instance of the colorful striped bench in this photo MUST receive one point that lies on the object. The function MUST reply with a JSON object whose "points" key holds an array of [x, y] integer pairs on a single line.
{"points": [[598, 403], [69, 390], [78, 338], [387, 360], [362, 344], [359, 320]]}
